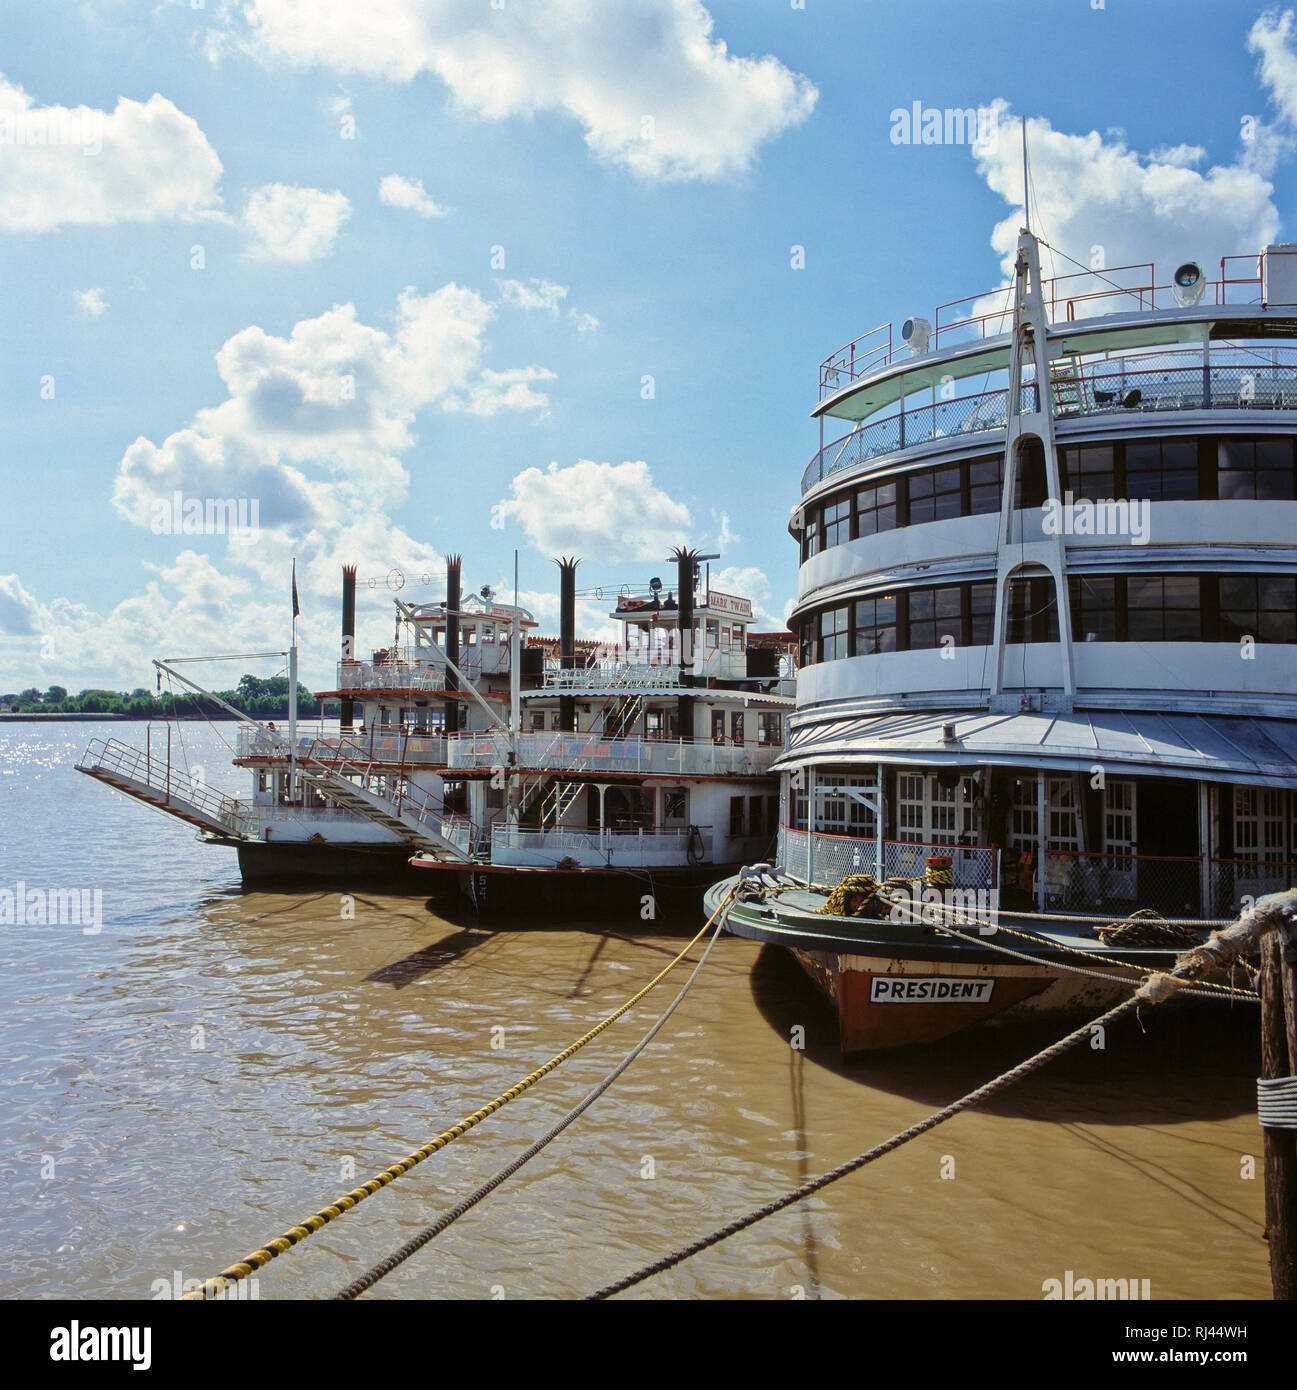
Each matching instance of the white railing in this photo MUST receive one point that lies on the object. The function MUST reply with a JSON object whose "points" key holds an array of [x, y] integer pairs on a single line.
{"points": [[385, 745], [588, 848], [546, 751], [176, 786], [836, 857]]}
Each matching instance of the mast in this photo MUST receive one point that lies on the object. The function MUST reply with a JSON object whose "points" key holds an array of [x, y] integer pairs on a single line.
{"points": [[292, 697]]}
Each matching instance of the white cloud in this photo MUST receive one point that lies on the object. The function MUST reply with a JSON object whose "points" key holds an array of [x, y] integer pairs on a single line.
{"points": [[747, 581], [598, 511], [534, 294], [19, 613], [1271, 36], [585, 323], [65, 166], [399, 192], [294, 224], [652, 88], [90, 303], [1096, 198]]}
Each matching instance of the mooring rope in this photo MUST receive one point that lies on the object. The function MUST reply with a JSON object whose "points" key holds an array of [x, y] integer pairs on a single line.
{"points": [[1278, 910], [386, 1266], [213, 1287]]}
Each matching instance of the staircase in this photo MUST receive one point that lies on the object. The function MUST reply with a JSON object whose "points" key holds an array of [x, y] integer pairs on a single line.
{"points": [[411, 814], [154, 781]]}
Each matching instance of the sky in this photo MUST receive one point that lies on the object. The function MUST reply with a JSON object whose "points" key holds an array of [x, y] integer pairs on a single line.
{"points": [[545, 276]]}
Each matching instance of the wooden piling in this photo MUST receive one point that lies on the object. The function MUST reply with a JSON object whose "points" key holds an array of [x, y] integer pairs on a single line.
{"points": [[1279, 1058]]}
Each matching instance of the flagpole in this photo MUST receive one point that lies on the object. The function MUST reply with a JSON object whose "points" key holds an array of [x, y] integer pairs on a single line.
{"points": [[292, 699]]}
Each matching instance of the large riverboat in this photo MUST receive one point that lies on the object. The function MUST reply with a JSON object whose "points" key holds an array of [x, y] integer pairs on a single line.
{"points": [[531, 773], [1048, 643]]}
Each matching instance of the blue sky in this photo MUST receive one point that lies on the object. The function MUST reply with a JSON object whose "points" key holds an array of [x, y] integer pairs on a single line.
{"points": [[500, 405]]}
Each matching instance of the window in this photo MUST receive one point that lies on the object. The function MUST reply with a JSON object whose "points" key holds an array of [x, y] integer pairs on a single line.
{"points": [[1029, 487], [754, 815], [736, 726], [837, 522], [1255, 468], [770, 728], [674, 806], [876, 509], [935, 614], [725, 637], [736, 815], [985, 483], [935, 495], [713, 633], [1033, 612], [1163, 608], [1260, 606], [833, 634], [811, 536], [1089, 471], [1094, 608], [875, 625], [1163, 470], [981, 612], [718, 726]]}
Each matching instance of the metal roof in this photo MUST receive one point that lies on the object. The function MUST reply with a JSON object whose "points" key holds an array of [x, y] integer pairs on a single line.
{"points": [[1214, 748]]}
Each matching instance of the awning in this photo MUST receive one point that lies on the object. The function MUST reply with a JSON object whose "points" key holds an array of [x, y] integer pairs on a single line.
{"points": [[1213, 748]]}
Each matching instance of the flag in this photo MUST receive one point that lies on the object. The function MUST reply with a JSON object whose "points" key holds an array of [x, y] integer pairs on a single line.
{"points": [[297, 607]]}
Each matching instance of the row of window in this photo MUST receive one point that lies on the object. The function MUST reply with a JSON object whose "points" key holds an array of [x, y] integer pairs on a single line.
{"points": [[1159, 470], [1105, 608]]}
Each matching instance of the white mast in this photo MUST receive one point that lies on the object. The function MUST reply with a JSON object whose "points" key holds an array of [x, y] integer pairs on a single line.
{"points": [[292, 697]]}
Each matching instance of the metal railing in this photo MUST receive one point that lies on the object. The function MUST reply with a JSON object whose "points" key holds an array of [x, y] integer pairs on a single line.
{"points": [[546, 751], [1079, 294], [1164, 381], [176, 786], [836, 857], [636, 847]]}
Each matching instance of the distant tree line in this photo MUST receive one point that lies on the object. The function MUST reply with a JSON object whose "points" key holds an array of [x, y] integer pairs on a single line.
{"points": [[257, 698]]}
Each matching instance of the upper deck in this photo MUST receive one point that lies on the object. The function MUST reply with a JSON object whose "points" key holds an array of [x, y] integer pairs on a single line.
{"points": [[1119, 345]]}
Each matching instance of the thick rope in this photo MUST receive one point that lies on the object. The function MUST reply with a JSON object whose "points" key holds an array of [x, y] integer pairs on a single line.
{"points": [[212, 1288], [385, 1267], [1272, 912]]}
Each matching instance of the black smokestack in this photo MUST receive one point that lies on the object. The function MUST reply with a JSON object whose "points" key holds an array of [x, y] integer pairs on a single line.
{"points": [[567, 637], [686, 561], [348, 637], [452, 638]]}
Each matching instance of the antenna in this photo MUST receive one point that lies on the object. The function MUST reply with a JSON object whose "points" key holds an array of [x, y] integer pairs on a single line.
{"points": [[1026, 197]]}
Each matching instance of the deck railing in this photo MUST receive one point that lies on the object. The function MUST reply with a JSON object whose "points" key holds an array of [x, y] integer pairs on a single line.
{"points": [[1264, 380], [547, 751]]}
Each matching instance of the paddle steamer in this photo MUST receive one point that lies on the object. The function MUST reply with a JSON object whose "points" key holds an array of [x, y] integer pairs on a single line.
{"points": [[1048, 640]]}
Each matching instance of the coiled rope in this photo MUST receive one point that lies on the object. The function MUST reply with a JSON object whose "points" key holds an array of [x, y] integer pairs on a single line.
{"points": [[214, 1287], [1278, 910], [386, 1266]]}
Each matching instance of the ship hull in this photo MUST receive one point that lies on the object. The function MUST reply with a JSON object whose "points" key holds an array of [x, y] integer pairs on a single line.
{"points": [[284, 866], [894, 985]]}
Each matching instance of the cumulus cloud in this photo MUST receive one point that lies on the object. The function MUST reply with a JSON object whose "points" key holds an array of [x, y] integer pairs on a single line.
{"points": [[599, 511], [533, 294], [584, 323], [294, 224], [652, 88], [91, 303], [65, 166], [1108, 205], [399, 192], [18, 609]]}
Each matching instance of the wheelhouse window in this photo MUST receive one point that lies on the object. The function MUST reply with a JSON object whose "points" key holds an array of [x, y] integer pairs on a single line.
{"points": [[985, 484], [935, 614]]}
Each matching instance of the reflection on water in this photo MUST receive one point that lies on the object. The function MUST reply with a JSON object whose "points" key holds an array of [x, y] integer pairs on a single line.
{"points": [[214, 1066]]}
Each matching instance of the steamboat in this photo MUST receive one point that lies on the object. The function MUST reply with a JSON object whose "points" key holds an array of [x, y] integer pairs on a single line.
{"points": [[1048, 646], [530, 774]]}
